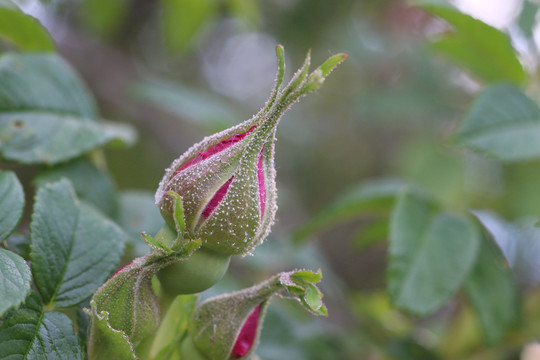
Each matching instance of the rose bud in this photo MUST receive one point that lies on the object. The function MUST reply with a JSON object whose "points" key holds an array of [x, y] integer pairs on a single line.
{"points": [[228, 326], [227, 181]]}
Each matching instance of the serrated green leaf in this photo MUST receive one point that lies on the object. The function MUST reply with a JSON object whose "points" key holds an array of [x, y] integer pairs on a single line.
{"points": [[23, 31], [480, 48], [313, 298], [11, 202], [370, 198], [184, 19], [74, 248], [502, 122], [493, 293], [430, 254], [15, 278], [29, 333], [91, 184], [173, 327], [104, 342]]}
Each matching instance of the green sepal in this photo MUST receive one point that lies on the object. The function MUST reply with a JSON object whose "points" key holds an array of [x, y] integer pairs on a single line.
{"points": [[173, 328], [217, 322], [105, 342], [178, 214], [155, 244]]}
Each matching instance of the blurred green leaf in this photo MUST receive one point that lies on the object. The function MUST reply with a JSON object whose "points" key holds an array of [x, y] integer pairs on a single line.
{"points": [[104, 16], [23, 31], [519, 243], [173, 327], [193, 105], [91, 184], [493, 294], [502, 122], [476, 46], [430, 254], [15, 278], [139, 213], [527, 17], [30, 333], [408, 349], [11, 202], [370, 198], [33, 137], [74, 248], [183, 20], [247, 10], [46, 113], [45, 83], [371, 233]]}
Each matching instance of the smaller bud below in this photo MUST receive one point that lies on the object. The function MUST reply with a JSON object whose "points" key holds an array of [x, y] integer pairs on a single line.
{"points": [[246, 337]]}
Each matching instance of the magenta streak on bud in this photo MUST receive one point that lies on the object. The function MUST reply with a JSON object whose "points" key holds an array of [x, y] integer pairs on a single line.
{"points": [[262, 185], [216, 199], [212, 150], [246, 337]]}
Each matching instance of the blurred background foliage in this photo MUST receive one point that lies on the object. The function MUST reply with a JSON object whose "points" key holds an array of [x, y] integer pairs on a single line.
{"points": [[179, 70]]}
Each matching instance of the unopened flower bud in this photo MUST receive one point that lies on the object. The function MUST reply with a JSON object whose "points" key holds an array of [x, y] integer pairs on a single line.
{"points": [[228, 326], [227, 181]]}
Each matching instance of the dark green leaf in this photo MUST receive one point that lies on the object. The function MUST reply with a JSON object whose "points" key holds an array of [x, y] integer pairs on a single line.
{"points": [[43, 82], [184, 19], [504, 123], [11, 202], [91, 184], [15, 278], [430, 254], [29, 333], [480, 48], [23, 31], [370, 198], [492, 293], [74, 248]]}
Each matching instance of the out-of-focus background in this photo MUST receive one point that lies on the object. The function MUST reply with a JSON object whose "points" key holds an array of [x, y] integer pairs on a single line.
{"points": [[179, 70]]}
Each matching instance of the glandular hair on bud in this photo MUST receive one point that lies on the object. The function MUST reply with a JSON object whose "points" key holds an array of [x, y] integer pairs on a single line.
{"points": [[227, 181]]}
